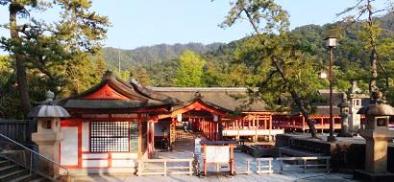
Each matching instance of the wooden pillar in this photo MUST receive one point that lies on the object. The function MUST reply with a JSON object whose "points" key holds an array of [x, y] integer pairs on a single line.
{"points": [[151, 136], [322, 124], [140, 144], [270, 137], [231, 162], [204, 163], [236, 124], [173, 130], [212, 131]]}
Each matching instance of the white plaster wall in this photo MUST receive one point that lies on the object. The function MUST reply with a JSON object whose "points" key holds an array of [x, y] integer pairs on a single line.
{"points": [[124, 155], [95, 163], [69, 146], [95, 156], [119, 160], [123, 163]]}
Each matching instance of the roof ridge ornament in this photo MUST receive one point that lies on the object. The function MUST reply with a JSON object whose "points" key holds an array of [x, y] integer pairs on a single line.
{"points": [[377, 97], [48, 108], [197, 95], [354, 89], [108, 75], [50, 96]]}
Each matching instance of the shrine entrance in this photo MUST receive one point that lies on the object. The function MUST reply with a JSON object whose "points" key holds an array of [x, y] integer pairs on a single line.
{"points": [[201, 122], [185, 123]]}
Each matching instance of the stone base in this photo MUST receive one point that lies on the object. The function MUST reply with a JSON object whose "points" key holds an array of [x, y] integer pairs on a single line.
{"points": [[331, 139], [363, 175]]}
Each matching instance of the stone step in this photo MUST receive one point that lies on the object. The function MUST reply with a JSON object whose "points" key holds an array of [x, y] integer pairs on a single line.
{"points": [[9, 168], [13, 174], [23, 178], [10, 172], [4, 163], [29, 178], [40, 180]]}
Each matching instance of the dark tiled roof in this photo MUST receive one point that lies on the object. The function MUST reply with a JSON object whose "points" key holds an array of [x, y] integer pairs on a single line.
{"points": [[109, 104], [322, 106], [231, 99], [139, 96]]}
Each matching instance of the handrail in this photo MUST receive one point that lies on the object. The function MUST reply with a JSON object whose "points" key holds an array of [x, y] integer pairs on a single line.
{"points": [[165, 169], [34, 152], [268, 166]]}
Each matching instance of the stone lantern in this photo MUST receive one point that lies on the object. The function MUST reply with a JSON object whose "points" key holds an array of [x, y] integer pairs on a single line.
{"points": [[377, 136], [48, 135], [344, 113]]}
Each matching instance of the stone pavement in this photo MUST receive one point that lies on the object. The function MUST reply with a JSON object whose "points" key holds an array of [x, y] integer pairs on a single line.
{"points": [[286, 177], [292, 175], [184, 147]]}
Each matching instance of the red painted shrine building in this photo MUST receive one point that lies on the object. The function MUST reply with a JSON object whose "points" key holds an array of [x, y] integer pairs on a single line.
{"points": [[115, 123]]}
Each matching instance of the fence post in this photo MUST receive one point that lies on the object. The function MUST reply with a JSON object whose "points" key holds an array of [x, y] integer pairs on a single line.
{"points": [[140, 168], [247, 166], [31, 162], [270, 166], [191, 168], [165, 168], [328, 165], [304, 165], [281, 166]]}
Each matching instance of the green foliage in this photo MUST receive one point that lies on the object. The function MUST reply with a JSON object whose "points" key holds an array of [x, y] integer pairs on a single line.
{"points": [[262, 12], [141, 75], [8, 90], [80, 74], [54, 55], [163, 74], [150, 56], [190, 71]]}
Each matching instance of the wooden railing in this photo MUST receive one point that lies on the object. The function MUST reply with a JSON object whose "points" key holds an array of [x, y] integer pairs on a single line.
{"points": [[17, 130], [265, 165], [165, 166], [304, 162]]}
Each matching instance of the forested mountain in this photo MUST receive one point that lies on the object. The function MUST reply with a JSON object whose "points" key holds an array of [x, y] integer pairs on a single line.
{"points": [[312, 37], [150, 55]]}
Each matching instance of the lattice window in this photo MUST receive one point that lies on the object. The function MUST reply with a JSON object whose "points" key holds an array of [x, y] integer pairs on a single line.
{"points": [[109, 137]]}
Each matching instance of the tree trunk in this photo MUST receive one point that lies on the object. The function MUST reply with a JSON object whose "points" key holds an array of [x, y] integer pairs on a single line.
{"points": [[374, 71], [19, 61], [296, 98], [373, 57]]}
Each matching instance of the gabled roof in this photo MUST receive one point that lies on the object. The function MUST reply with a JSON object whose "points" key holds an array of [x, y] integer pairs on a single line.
{"points": [[198, 105], [114, 93], [228, 99]]}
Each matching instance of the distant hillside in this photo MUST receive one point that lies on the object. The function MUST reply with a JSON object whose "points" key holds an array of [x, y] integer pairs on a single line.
{"points": [[312, 36], [150, 55]]}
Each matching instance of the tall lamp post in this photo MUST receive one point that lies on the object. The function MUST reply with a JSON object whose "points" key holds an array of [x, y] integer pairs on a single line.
{"points": [[331, 43]]}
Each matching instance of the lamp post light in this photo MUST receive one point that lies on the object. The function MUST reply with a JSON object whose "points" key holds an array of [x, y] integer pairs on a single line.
{"points": [[331, 43]]}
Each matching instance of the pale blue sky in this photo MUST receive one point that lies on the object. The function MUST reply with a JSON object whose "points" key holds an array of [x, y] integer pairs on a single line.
{"points": [[148, 22]]}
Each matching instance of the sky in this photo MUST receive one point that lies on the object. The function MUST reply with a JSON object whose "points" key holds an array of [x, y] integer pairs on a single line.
{"points": [[138, 23]]}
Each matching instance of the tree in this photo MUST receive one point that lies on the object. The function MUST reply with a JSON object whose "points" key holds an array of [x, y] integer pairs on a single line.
{"points": [[190, 71], [141, 75], [163, 74], [277, 56], [369, 35], [80, 74], [45, 45]]}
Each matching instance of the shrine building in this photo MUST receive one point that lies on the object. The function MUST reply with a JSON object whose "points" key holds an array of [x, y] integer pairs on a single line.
{"points": [[116, 123]]}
